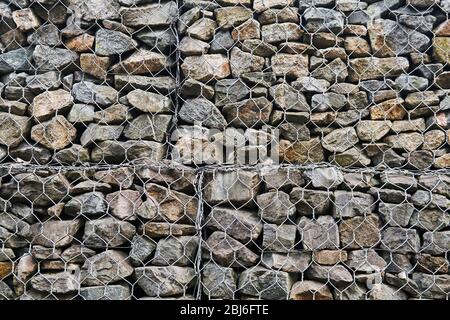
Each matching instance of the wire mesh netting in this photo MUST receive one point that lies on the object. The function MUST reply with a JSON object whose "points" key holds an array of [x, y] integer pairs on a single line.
{"points": [[225, 149]]}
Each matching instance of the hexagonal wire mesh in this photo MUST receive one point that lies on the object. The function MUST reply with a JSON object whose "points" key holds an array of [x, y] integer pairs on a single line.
{"points": [[228, 149]]}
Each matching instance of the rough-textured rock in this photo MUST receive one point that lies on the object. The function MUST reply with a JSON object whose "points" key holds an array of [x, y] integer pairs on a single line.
{"points": [[400, 240], [310, 290], [320, 233], [229, 252], [107, 267], [338, 275], [164, 281], [107, 232], [54, 134], [360, 232], [179, 251], [150, 15], [259, 282], [14, 129], [55, 233], [243, 225]]}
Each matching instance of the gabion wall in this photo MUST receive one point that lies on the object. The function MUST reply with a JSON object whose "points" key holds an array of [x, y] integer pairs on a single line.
{"points": [[226, 149]]}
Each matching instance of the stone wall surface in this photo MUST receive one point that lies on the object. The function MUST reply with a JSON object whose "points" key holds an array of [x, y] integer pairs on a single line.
{"points": [[225, 149]]}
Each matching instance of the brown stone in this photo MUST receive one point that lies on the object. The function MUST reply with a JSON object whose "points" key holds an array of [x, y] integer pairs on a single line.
{"points": [[329, 257], [94, 65], [5, 269], [360, 232], [82, 43], [55, 134], [388, 110]]}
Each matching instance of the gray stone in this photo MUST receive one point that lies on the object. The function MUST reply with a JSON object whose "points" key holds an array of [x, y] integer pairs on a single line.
{"points": [[162, 39], [400, 240], [365, 261], [432, 286], [110, 42], [238, 187], [206, 67], [13, 129], [219, 282], [338, 275], [396, 214], [61, 282], [350, 204], [243, 62], [340, 140], [383, 291], [389, 39], [259, 47], [371, 131], [17, 59], [113, 292], [15, 225], [376, 68], [91, 10], [40, 191], [81, 113], [279, 238], [408, 83], [105, 268], [165, 281], [333, 72], [229, 252], [49, 58], [141, 249], [178, 251], [228, 17], [436, 243], [230, 90], [222, 42], [107, 232], [275, 207], [168, 205], [288, 262], [243, 225], [319, 233], [142, 61], [55, 233], [87, 204], [325, 101], [202, 29], [430, 219], [151, 15], [287, 98], [204, 111], [281, 32], [75, 154], [265, 284], [124, 204], [148, 127], [97, 133], [322, 19], [311, 202], [30, 153], [90, 93], [76, 254], [248, 113], [128, 82], [325, 178], [290, 65], [48, 103]]}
